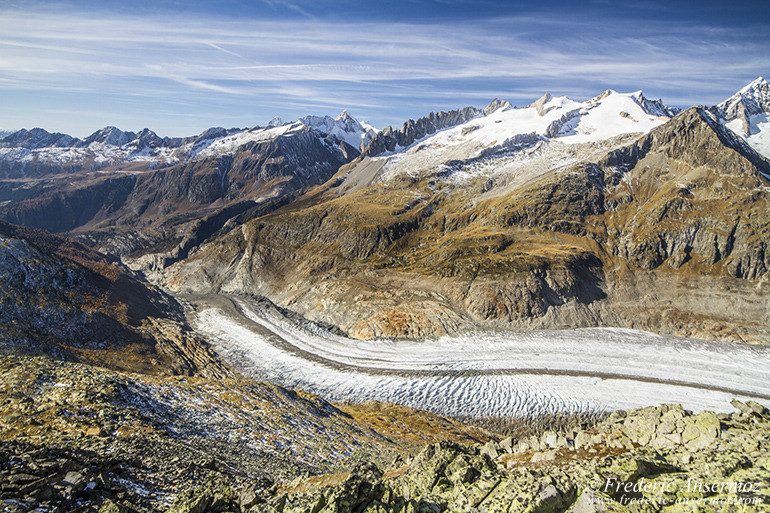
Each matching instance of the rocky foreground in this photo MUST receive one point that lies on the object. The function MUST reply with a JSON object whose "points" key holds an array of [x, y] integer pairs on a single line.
{"points": [[654, 459], [79, 438], [73, 436]]}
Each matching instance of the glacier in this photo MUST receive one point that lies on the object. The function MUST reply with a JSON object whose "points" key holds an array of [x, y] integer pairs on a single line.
{"points": [[499, 373]]}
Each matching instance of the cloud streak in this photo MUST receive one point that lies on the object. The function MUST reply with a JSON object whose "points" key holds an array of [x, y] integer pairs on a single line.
{"points": [[389, 70]]}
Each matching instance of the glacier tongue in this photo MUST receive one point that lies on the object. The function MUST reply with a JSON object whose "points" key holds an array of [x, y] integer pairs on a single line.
{"points": [[490, 374]]}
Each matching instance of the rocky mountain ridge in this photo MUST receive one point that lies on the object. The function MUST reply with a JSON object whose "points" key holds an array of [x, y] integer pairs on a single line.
{"points": [[60, 298], [30, 152]]}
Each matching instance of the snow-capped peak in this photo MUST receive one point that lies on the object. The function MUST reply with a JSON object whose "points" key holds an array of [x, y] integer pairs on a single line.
{"points": [[747, 113], [548, 132], [759, 83], [344, 127], [754, 98], [276, 121], [345, 117]]}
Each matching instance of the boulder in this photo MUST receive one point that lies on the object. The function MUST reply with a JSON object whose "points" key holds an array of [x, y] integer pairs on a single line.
{"points": [[700, 430]]}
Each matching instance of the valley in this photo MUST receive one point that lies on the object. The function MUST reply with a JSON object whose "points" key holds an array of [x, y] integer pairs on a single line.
{"points": [[280, 318], [491, 373]]}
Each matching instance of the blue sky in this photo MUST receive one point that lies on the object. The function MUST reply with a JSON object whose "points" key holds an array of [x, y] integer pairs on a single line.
{"points": [[179, 67]]}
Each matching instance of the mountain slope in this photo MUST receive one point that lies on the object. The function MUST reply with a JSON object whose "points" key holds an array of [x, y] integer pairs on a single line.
{"points": [[518, 239], [60, 298], [140, 209]]}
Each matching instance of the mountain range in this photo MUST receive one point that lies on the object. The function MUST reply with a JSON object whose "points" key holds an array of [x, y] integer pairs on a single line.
{"points": [[615, 211], [401, 264]]}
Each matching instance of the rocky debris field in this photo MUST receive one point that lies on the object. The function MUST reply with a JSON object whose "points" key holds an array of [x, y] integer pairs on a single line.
{"points": [[653, 459], [74, 437], [63, 299]]}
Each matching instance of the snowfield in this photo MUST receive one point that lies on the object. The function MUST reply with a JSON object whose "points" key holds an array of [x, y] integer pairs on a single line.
{"points": [[493, 373], [559, 122]]}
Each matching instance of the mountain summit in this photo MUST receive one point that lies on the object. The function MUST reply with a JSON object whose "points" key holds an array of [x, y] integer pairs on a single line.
{"points": [[345, 127], [747, 113]]}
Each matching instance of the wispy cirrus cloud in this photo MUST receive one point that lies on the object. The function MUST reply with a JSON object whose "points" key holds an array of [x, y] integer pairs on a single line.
{"points": [[250, 69]]}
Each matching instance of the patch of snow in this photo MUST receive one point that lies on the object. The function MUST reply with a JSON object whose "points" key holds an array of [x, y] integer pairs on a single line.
{"points": [[344, 127], [230, 143], [759, 129]]}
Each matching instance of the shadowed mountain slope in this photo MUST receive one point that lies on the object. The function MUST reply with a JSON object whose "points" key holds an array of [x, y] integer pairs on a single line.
{"points": [[60, 298]]}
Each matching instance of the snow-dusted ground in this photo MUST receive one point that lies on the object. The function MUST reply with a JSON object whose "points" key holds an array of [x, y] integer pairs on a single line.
{"points": [[493, 373]]}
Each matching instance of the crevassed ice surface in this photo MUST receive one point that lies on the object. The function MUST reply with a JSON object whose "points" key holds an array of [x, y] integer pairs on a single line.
{"points": [[493, 373]]}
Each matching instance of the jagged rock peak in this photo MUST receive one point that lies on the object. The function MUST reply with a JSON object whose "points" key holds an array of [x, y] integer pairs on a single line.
{"points": [[276, 121], [348, 122], [411, 131], [750, 101], [110, 136], [344, 127], [539, 104], [755, 98], [697, 136], [38, 138], [759, 91], [654, 107], [496, 105], [603, 95], [345, 117]]}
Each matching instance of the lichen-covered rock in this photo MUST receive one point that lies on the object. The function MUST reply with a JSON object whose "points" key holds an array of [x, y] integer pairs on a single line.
{"points": [[605, 471]]}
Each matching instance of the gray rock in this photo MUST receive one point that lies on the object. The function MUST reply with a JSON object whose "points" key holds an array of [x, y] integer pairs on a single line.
{"points": [[75, 479], [758, 409], [590, 501], [700, 431], [491, 450], [507, 444]]}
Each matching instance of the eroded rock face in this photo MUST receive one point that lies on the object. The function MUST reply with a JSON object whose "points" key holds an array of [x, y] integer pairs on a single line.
{"points": [[388, 139]]}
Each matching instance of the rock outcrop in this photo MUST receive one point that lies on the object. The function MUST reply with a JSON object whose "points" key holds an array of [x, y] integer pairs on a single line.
{"points": [[654, 459], [411, 131]]}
